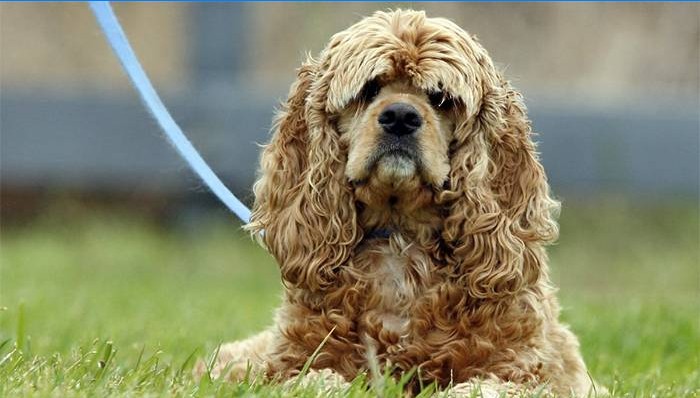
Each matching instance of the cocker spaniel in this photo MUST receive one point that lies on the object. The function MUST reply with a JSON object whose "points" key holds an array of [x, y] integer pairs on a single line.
{"points": [[402, 197]]}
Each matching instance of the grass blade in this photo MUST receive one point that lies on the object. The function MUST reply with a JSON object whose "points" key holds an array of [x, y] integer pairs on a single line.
{"points": [[21, 328], [312, 358]]}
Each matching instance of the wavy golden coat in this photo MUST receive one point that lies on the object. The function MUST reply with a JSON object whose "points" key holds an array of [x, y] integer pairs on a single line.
{"points": [[455, 283]]}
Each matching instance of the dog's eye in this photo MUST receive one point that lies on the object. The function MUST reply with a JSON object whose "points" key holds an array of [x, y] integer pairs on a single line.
{"points": [[440, 100], [370, 91]]}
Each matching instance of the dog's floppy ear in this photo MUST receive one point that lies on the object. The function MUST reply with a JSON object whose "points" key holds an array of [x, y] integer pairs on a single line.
{"points": [[304, 211], [500, 212]]}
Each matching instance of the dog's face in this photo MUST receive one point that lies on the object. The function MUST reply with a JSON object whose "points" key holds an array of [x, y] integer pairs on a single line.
{"points": [[397, 137]]}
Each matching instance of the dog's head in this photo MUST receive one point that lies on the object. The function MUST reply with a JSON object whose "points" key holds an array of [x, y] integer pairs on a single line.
{"points": [[404, 123]]}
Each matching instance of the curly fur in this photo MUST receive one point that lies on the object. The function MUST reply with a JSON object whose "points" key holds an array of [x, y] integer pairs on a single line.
{"points": [[460, 289]]}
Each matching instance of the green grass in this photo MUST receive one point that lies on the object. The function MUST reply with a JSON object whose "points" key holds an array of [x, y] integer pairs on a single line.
{"points": [[108, 304]]}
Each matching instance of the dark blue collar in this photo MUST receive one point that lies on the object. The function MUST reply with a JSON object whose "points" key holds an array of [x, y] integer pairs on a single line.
{"points": [[380, 233]]}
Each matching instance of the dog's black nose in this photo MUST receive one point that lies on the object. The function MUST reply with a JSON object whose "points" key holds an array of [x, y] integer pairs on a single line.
{"points": [[400, 119]]}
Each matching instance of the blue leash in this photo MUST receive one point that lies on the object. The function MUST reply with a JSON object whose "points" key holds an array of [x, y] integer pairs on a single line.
{"points": [[120, 44]]}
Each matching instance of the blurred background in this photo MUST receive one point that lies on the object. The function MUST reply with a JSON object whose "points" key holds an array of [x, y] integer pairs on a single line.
{"points": [[94, 202], [612, 90]]}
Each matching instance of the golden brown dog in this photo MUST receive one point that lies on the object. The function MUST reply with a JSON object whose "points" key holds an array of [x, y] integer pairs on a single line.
{"points": [[402, 197]]}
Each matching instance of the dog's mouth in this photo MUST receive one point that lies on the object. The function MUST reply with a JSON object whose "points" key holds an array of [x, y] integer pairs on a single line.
{"points": [[394, 160]]}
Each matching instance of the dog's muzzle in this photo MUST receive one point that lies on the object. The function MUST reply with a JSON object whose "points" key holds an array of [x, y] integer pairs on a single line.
{"points": [[400, 123]]}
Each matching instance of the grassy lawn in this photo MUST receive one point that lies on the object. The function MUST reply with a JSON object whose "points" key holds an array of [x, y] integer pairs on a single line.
{"points": [[109, 304]]}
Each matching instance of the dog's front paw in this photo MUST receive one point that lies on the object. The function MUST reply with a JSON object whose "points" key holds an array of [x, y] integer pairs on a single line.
{"points": [[323, 380], [228, 363], [238, 360], [488, 388]]}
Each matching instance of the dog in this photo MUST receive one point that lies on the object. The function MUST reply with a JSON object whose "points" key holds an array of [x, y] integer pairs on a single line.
{"points": [[402, 197]]}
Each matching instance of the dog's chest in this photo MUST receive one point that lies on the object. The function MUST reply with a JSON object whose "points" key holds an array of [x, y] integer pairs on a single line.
{"points": [[393, 276], [395, 291]]}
